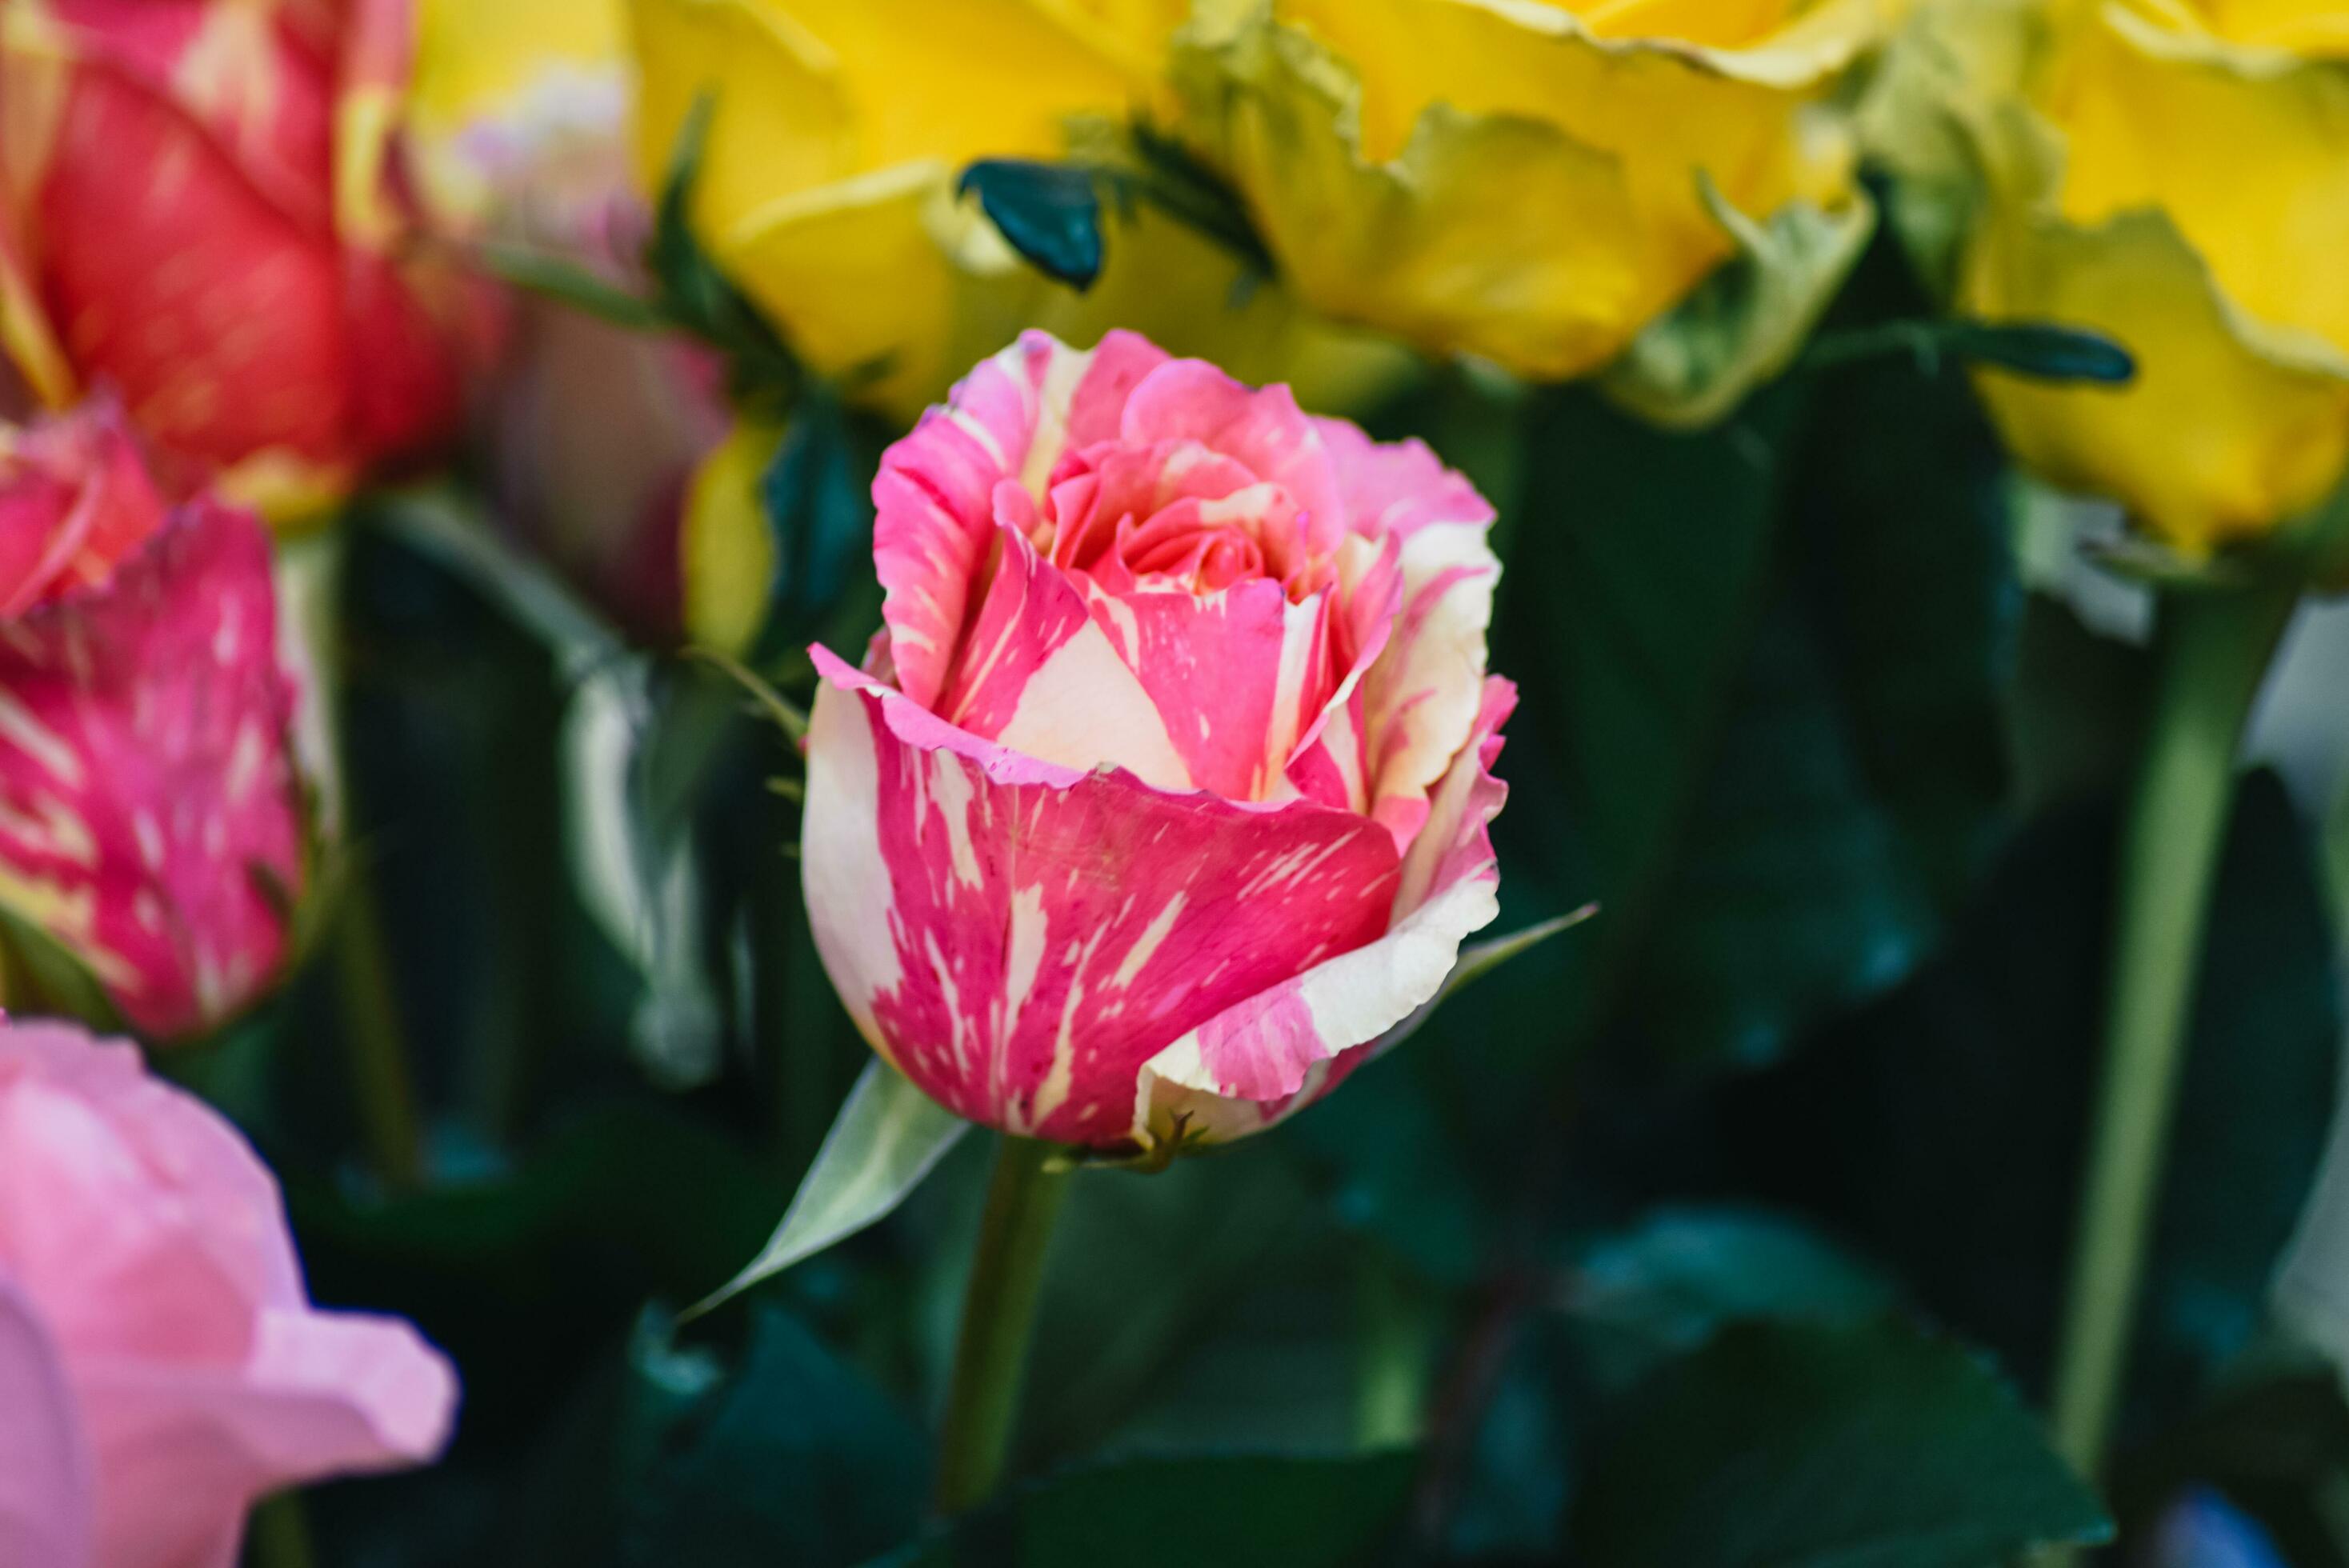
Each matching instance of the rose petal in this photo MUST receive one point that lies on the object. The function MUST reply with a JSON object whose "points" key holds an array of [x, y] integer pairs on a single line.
{"points": [[1037, 676], [183, 1452], [935, 511], [1018, 938], [45, 1486], [1278, 1049], [1191, 400], [147, 803]]}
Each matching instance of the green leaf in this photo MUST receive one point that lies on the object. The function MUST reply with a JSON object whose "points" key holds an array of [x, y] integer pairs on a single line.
{"points": [[887, 1139], [791, 1457], [1235, 1510], [1805, 1446], [1856, 776], [2041, 350], [1878, 1130], [1666, 1286], [38, 973], [565, 281], [817, 496], [1049, 212]]}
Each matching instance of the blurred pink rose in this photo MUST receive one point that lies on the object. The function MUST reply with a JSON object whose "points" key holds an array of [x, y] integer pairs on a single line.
{"points": [[151, 819], [1164, 793], [161, 1366], [203, 211]]}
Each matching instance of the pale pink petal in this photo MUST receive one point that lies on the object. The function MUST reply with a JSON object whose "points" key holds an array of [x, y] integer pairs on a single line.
{"points": [[45, 1487], [934, 498], [150, 818], [1277, 1050], [183, 1452], [144, 1224], [1020, 937]]}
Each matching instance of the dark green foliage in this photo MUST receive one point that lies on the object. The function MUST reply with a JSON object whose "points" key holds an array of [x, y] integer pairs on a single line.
{"points": [[1801, 1446]]}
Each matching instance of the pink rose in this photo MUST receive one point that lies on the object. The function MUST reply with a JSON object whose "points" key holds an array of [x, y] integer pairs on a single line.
{"points": [[160, 1364], [1163, 794], [205, 213], [151, 819]]}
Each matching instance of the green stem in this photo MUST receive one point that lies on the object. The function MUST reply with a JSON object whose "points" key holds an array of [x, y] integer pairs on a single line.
{"points": [[2214, 650], [382, 1092], [1395, 1344], [280, 1533], [998, 1313]]}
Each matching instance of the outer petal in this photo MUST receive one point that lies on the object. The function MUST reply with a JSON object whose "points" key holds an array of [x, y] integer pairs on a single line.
{"points": [[2229, 427], [183, 1452], [145, 1226], [1017, 938], [154, 1242], [2246, 152], [45, 1487], [1262, 1058], [150, 813]]}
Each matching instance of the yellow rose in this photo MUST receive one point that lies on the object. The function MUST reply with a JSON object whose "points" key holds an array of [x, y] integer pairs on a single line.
{"points": [[826, 194], [1536, 183], [2174, 173]]}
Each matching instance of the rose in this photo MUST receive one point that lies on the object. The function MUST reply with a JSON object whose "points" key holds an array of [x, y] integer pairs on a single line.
{"points": [[2175, 176], [827, 185], [1536, 184], [160, 1364], [1163, 792], [200, 210], [151, 821]]}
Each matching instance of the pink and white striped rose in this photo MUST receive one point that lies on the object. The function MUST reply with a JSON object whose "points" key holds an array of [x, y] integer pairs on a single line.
{"points": [[151, 817], [160, 1365], [1163, 795]]}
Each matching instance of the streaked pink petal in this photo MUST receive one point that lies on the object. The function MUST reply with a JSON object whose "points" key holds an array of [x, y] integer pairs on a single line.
{"points": [[1018, 938], [1235, 675], [1272, 1052], [1191, 400], [45, 1486], [934, 498], [150, 818]]}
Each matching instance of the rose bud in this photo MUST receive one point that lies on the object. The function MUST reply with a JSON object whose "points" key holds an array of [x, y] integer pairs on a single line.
{"points": [[160, 1365], [151, 818], [1163, 794], [201, 211]]}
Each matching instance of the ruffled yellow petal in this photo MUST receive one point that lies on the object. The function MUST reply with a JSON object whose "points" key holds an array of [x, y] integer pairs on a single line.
{"points": [[2229, 428], [2248, 154], [1493, 176]]}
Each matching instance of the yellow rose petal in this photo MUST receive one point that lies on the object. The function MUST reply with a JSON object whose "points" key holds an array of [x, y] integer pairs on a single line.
{"points": [[2226, 430]]}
